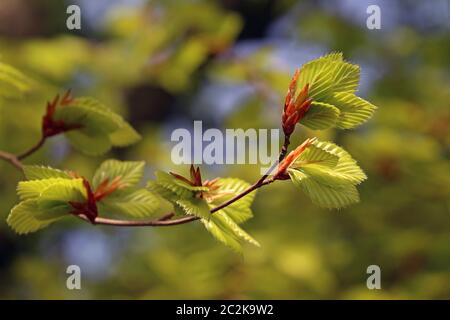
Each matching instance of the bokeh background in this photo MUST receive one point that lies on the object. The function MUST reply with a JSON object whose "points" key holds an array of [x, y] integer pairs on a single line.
{"points": [[163, 64]]}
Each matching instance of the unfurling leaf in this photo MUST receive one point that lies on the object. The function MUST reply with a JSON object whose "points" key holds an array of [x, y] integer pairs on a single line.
{"points": [[50, 194], [43, 202], [88, 125], [332, 85], [321, 116], [129, 172], [26, 217], [196, 200], [227, 188], [33, 172], [137, 203], [224, 229], [327, 174]]}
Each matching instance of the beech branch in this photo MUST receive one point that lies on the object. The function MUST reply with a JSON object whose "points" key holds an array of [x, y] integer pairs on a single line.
{"points": [[33, 149], [165, 220]]}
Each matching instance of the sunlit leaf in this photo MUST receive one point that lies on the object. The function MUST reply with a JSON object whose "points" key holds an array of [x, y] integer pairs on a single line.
{"points": [[324, 195], [224, 229], [195, 206], [327, 174], [130, 172], [61, 193], [33, 172], [138, 203], [27, 217], [320, 116], [239, 210], [353, 110], [32, 189]]}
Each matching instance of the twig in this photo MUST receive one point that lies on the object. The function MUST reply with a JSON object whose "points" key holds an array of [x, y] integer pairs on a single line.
{"points": [[33, 149], [163, 221], [11, 158]]}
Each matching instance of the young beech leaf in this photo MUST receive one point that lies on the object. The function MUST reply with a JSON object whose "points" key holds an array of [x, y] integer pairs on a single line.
{"points": [[163, 192], [346, 165], [325, 195], [195, 207], [129, 172], [224, 229], [183, 196], [32, 189], [327, 174], [99, 127], [95, 120], [321, 116], [168, 186], [27, 217], [61, 193], [33, 172], [316, 155], [240, 210], [332, 85], [91, 143], [137, 203], [353, 109], [124, 135]]}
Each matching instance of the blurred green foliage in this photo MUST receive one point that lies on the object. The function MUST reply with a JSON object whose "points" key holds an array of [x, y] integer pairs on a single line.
{"points": [[150, 63]]}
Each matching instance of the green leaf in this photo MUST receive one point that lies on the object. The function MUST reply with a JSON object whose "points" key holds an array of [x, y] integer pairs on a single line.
{"points": [[33, 172], [354, 110], [332, 84], [13, 83], [26, 217], [240, 210], [61, 193], [124, 134], [101, 128], [195, 207], [327, 174], [130, 172], [224, 229], [163, 192], [32, 189], [176, 186], [95, 120], [91, 143], [320, 116], [327, 75], [346, 167], [138, 203], [327, 196], [316, 155]]}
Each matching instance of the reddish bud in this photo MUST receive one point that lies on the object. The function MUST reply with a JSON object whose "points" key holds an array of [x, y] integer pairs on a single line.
{"points": [[295, 107], [290, 158], [50, 126], [87, 208], [195, 177]]}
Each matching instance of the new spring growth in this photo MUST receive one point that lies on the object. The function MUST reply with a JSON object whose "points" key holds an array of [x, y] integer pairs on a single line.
{"points": [[290, 158], [103, 190], [295, 106], [195, 180], [52, 127]]}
